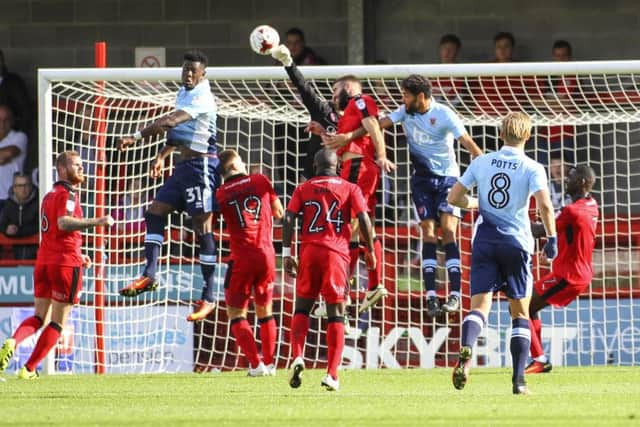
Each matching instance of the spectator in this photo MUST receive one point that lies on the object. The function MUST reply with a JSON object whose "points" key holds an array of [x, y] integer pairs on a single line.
{"points": [[13, 92], [449, 48], [13, 150], [20, 215], [557, 172], [130, 213], [558, 139], [300, 52], [503, 44], [448, 90]]}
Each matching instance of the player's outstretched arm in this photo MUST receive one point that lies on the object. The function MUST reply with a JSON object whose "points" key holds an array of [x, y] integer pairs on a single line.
{"points": [[317, 106], [70, 223], [337, 141], [470, 145], [158, 127], [366, 232], [543, 201], [288, 262], [371, 125], [458, 197]]}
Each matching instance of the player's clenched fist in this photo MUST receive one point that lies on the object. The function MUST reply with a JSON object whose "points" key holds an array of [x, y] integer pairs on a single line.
{"points": [[86, 261], [125, 142], [370, 260], [290, 266], [106, 220], [156, 168]]}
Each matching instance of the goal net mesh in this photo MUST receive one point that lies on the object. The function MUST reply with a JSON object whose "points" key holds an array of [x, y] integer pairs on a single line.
{"points": [[578, 117]]}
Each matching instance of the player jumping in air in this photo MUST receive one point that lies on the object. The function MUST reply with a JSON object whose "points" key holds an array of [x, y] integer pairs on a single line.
{"points": [[325, 204], [503, 244], [430, 128], [572, 269], [57, 276], [191, 129], [247, 203]]}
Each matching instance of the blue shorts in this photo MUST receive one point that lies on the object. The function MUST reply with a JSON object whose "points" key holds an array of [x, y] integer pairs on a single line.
{"points": [[192, 186], [499, 267], [429, 194]]}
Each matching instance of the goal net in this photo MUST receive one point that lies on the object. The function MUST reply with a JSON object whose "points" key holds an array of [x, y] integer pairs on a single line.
{"points": [[582, 113]]}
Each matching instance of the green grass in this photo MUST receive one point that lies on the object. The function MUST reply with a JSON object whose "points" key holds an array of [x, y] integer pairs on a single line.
{"points": [[567, 396]]}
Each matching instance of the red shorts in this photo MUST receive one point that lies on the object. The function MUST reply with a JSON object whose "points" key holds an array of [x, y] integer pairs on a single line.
{"points": [[365, 173], [557, 291], [250, 272], [57, 282], [322, 271]]}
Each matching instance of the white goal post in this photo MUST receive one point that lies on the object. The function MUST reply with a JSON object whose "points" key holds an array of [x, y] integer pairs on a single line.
{"points": [[583, 112]]}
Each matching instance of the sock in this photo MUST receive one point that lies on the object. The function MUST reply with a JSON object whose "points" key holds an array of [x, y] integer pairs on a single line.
{"points": [[28, 327], [471, 328], [335, 344], [244, 337], [452, 254], [299, 329], [48, 339], [153, 243], [363, 320], [268, 336], [354, 256], [520, 342], [375, 276], [208, 265], [429, 264], [536, 349]]}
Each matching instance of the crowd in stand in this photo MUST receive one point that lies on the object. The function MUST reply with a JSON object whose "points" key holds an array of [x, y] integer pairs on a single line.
{"points": [[19, 192]]}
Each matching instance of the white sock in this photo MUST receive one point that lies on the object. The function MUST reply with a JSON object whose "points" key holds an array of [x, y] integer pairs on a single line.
{"points": [[431, 294], [454, 294], [541, 359]]}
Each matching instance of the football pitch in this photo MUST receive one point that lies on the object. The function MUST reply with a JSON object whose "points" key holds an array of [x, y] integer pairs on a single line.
{"points": [[567, 396]]}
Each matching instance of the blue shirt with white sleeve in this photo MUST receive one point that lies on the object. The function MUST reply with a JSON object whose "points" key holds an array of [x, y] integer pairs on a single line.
{"points": [[199, 133], [506, 179], [430, 137]]}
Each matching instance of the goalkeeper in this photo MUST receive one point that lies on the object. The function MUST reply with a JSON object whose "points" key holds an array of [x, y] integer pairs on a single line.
{"points": [[191, 130]]}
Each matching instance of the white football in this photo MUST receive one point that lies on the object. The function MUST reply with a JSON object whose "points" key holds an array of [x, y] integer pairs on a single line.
{"points": [[264, 38]]}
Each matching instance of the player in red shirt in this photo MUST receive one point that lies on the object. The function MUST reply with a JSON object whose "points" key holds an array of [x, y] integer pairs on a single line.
{"points": [[572, 268], [57, 276], [362, 159], [247, 203], [325, 204]]}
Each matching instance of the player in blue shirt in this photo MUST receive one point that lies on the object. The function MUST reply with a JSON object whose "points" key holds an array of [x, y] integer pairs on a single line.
{"points": [[430, 129], [503, 244], [191, 130]]}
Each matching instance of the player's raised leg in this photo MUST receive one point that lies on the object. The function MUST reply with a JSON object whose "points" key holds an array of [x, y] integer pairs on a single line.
{"points": [[27, 328], [202, 224], [429, 265], [540, 363], [449, 226], [156, 220], [472, 326]]}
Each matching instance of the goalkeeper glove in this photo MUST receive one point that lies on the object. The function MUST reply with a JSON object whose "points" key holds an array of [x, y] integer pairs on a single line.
{"points": [[551, 247], [282, 54]]}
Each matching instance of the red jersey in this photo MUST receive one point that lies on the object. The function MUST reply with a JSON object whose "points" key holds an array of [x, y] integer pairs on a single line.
{"points": [[245, 202], [58, 246], [357, 109], [326, 204], [576, 227]]}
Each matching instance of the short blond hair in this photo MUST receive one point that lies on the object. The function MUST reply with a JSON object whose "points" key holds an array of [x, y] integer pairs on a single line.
{"points": [[516, 128], [63, 158]]}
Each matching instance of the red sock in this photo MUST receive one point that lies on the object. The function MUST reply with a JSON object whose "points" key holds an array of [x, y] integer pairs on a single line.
{"points": [[244, 337], [268, 337], [28, 327], [536, 349], [48, 339], [299, 329], [335, 345], [375, 276], [354, 256]]}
